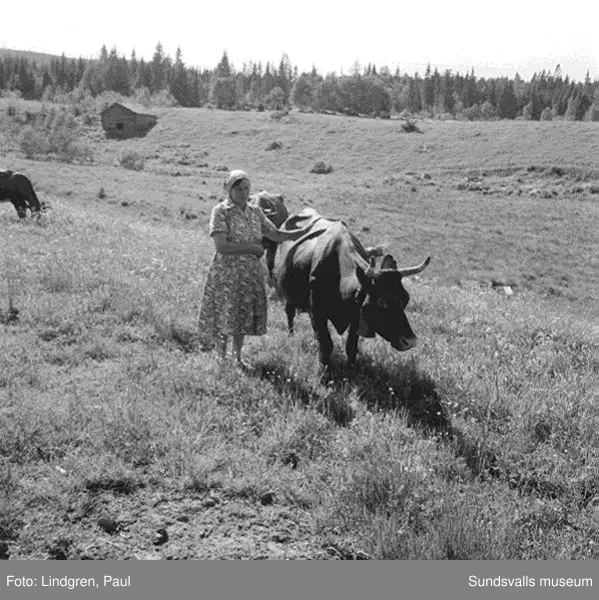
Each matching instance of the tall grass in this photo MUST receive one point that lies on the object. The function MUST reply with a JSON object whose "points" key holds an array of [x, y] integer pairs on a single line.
{"points": [[481, 444]]}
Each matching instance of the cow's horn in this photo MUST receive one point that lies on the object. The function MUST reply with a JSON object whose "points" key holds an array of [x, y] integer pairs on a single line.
{"points": [[414, 270]]}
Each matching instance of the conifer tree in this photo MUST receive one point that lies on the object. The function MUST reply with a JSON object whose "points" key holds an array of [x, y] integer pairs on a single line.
{"points": [[179, 86], [303, 92], [223, 69], [284, 78], [428, 89], [157, 69], [508, 103]]}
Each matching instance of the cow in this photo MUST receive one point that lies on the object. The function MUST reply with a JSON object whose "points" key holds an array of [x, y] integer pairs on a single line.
{"points": [[273, 206], [17, 189], [328, 273]]}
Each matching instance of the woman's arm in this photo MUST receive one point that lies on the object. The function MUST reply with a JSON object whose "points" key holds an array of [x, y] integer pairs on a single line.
{"points": [[224, 246], [278, 235]]}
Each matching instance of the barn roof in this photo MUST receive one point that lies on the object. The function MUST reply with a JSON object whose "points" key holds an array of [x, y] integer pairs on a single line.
{"points": [[138, 109]]}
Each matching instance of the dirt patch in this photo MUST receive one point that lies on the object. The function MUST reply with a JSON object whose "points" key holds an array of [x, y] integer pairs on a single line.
{"points": [[532, 181], [150, 524]]}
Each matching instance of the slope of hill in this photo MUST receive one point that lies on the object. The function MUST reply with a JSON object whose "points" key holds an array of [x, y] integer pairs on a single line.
{"points": [[40, 58]]}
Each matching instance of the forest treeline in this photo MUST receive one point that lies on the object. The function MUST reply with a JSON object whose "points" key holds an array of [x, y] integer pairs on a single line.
{"points": [[367, 90]]}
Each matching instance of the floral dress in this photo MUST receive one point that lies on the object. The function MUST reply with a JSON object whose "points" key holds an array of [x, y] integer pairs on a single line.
{"points": [[234, 298]]}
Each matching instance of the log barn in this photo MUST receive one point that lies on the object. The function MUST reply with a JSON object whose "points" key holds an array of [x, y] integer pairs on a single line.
{"points": [[123, 120]]}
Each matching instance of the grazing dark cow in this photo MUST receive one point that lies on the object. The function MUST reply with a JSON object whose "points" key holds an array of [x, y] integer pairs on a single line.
{"points": [[328, 273], [273, 206], [17, 189]]}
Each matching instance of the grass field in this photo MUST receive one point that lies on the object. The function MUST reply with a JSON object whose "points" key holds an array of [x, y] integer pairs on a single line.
{"points": [[119, 438]]}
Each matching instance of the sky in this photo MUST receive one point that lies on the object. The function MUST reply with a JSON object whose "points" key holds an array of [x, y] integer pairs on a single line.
{"points": [[494, 38]]}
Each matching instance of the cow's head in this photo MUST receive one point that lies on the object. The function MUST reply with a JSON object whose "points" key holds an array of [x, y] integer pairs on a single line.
{"points": [[273, 206], [383, 309]]}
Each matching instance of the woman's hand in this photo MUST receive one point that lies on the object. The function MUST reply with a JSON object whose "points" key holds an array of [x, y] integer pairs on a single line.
{"points": [[224, 246]]}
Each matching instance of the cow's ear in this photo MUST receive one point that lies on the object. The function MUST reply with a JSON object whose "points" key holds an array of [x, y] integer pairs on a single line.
{"points": [[365, 279], [374, 251], [389, 263]]}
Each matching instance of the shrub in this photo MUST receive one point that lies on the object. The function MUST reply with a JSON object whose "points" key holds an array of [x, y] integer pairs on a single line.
{"points": [[473, 113], [275, 99], [77, 151], [321, 168], [33, 142], [488, 111], [279, 114], [276, 145], [163, 98], [409, 126], [132, 161], [63, 131], [547, 114], [527, 112], [52, 131], [223, 93]]}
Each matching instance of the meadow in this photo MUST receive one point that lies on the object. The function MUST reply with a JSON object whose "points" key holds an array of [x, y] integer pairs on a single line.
{"points": [[121, 438]]}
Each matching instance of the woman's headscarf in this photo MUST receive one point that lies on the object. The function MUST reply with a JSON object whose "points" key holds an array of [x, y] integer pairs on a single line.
{"points": [[233, 177]]}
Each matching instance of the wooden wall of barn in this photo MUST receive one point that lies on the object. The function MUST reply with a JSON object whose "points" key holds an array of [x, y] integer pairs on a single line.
{"points": [[117, 121]]}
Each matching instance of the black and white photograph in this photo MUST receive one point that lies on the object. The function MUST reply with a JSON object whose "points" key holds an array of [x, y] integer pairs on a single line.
{"points": [[299, 282]]}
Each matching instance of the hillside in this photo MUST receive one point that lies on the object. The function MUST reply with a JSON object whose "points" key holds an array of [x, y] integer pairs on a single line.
{"points": [[120, 438], [40, 58], [513, 202]]}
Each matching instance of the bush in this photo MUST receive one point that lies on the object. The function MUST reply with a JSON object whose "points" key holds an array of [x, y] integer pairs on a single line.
{"points": [[527, 112], [488, 111], [547, 114], [33, 142], [275, 99], [132, 161], [163, 98], [321, 168], [409, 126], [223, 93], [279, 114], [276, 145], [77, 151], [53, 131], [473, 113], [62, 132]]}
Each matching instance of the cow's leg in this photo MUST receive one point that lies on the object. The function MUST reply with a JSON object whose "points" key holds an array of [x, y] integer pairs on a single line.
{"points": [[33, 201], [20, 207], [325, 343], [290, 312], [351, 344]]}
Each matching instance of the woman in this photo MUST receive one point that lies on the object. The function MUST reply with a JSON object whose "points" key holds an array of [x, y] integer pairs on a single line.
{"points": [[234, 299]]}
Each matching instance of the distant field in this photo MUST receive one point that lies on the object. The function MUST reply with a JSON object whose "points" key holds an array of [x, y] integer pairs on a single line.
{"points": [[515, 202], [481, 443]]}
